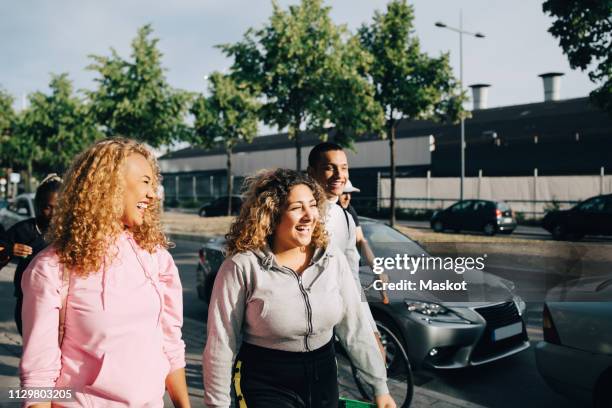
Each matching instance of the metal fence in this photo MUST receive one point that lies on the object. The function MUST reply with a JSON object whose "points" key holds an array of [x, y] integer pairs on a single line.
{"points": [[189, 190]]}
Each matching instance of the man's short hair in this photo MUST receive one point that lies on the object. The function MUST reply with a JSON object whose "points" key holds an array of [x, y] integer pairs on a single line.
{"points": [[315, 154]]}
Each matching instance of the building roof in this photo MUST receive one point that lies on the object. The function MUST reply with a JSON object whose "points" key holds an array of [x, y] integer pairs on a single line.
{"points": [[517, 121]]}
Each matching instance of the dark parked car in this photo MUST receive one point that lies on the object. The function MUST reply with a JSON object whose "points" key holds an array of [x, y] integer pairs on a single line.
{"points": [[487, 216], [218, 207], [432, 332], [590, 217]]}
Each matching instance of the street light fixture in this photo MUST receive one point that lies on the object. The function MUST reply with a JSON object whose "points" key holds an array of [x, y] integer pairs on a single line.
{"points": [[461, 32]]}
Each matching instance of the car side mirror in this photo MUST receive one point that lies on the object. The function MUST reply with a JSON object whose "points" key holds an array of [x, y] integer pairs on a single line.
{"points": [[23, 211]]}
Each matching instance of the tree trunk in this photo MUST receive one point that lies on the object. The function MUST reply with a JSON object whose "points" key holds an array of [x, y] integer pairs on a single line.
{"points": [[298, 151], [391, 133], [230, 180], [28, 183], [295, 130]]}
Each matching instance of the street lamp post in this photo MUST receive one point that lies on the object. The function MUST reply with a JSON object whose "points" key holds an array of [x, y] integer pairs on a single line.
{"points": [[461, 31]]}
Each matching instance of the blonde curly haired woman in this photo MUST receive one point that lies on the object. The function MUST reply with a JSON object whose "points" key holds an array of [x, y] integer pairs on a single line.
{"points": [[276, 302], [107, 287]]}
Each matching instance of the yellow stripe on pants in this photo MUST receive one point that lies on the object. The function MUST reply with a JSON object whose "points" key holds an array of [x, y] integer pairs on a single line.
{"points": [[239, 396]]}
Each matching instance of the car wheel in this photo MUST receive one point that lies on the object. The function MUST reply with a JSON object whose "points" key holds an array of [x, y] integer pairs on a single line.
{"points": [[559, 232], [489, 229], [438, 226], [399, 371], [202, 212]]}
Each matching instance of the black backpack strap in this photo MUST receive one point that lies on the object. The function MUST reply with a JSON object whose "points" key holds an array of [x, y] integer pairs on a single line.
{"points": [[348, 224]]}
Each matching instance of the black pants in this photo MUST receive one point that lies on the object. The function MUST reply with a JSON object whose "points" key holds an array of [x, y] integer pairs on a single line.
{"points": [[265, 378]]}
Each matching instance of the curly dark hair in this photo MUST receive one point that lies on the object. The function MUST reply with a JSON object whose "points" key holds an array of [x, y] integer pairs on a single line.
{"points": [[265, 199]]}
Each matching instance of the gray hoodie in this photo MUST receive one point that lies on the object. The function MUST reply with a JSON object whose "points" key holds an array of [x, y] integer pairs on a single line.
{"points": [[257, 301]]}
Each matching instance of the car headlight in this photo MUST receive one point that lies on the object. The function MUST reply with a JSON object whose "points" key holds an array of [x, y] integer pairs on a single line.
{"points": [[427, 309], [520, 304], [434, 312]]}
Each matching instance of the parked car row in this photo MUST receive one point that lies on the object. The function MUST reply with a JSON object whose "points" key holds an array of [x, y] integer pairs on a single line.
{"points": [[589, 217]]}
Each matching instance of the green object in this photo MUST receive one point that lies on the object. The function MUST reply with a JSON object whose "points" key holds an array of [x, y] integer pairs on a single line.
{"points": [[225, 118], [349, 403], [409, 84], [308, 70], [583, 30], [133, 97]]}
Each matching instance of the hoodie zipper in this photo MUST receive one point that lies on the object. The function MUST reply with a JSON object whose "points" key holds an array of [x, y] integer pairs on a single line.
{"points": [[308, 308]]}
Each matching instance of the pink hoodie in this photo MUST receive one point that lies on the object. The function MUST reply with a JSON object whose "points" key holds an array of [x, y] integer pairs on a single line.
{"points": [[122, 331]]}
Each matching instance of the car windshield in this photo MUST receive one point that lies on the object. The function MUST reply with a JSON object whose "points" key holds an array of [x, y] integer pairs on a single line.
{"points": [[385, 240], [502, 206], [595, 204]]}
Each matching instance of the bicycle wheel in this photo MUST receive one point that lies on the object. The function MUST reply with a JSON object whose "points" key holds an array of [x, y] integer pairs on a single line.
{"points": [[399, 372]]}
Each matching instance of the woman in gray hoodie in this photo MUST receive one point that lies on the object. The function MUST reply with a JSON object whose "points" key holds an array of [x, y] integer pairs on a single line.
{"points": [[277, 300]]}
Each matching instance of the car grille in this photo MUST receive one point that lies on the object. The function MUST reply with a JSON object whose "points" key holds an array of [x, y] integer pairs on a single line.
{"points": [[498, 316]]}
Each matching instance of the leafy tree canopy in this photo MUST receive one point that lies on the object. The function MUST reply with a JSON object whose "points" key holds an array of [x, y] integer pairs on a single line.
{"points": [[584, 30], [298, 62], [57, 125], [133, 98], [227, 116]]}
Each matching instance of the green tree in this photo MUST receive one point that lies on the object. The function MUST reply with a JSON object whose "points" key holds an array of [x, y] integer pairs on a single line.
{"points": [[133, 98], [57, 126], [584, 30], [225, 118], [8, 118], [297, 62], [350, 97], [17, 149], [409, 84]]}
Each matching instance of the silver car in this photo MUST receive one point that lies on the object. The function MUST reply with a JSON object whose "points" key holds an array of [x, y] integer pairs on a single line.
{"points": [[19, 209], [445, 333], [575, 357]]}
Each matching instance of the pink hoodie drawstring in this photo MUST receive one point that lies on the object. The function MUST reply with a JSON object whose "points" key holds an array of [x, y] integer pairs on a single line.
{"points": [[148, 275]]}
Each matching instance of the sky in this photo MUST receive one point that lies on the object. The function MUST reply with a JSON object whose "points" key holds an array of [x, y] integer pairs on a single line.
{"points": [[40, 37]]}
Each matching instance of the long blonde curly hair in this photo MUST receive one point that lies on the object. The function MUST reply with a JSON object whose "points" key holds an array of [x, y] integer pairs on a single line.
{"points": [[86, 220], [265, 199]]}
